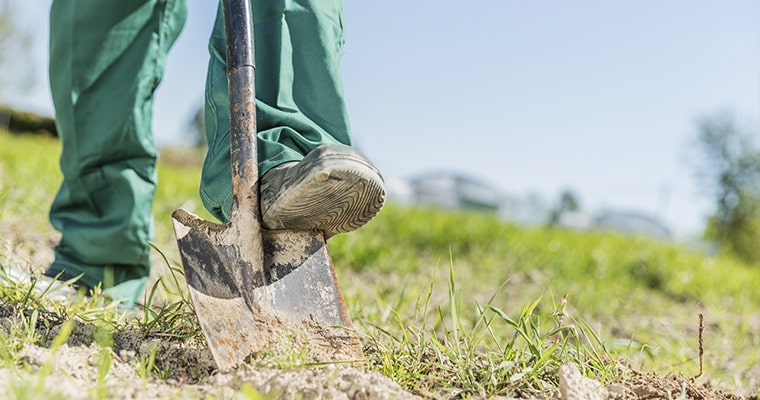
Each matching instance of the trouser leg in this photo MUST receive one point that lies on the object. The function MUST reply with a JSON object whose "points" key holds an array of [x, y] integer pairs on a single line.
{"points": [[299, 94], [106, 59]]}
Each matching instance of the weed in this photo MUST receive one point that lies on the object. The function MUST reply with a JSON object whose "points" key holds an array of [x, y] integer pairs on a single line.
{"points": [[172, 320], [490, 355], [103, 363], [146, 365], [22, 389], [681, 395], [248, 392], [3, 200]]}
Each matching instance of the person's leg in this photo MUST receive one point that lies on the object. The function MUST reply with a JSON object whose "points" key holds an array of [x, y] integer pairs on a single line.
{"points": [[106, 59], [300, 107]]}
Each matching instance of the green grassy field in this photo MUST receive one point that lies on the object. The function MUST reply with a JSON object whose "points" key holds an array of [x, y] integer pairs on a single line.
{"points": [[455, 304]]}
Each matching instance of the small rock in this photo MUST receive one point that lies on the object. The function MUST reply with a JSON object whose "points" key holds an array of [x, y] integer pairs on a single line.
{"points": [[127, 355], [616, 391], [574, 386]]}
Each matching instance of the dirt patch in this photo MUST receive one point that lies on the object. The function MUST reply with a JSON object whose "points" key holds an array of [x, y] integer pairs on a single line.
{"points": [[143, 364], [639, 386], [30, 252], [651, 386], [77, 372]]}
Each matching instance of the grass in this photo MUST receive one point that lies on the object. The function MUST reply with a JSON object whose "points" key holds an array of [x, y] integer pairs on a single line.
{"points": [[448, 304], [480, 360]]}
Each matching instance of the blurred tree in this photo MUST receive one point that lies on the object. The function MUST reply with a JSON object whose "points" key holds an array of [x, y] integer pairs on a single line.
{"points": [[568, 202], [17, 72], [16, 69], [729, 169], [196, 128]]}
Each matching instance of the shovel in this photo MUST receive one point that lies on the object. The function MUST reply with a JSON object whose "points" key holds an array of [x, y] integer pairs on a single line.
{"points": [[256, 290]]}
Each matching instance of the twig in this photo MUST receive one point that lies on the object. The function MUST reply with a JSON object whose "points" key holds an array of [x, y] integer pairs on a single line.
{"points": [[701, 344], [561, 317]]}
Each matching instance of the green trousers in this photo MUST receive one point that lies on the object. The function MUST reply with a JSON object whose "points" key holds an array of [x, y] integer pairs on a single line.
{"points": [[107, 58]]}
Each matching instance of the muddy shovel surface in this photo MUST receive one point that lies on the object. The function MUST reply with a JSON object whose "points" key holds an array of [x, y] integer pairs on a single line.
{"points": [[255, 290]]}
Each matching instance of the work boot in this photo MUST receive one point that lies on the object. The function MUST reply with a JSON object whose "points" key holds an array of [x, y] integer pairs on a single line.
{"points": [[333, 189]]}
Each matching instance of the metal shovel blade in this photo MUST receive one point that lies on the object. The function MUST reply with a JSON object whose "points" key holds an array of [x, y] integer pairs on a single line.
{"points": [[246, 304]]}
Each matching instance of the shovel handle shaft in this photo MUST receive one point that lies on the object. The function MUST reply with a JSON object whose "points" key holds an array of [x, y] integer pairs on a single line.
{"points": [[239, 30], [242, 93]]}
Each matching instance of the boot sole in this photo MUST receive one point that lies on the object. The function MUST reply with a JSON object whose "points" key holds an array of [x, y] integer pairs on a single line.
{"points": [[339, 193]]}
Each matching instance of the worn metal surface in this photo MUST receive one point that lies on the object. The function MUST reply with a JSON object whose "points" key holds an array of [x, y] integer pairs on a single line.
{"points": [[242, 306], [253, 288]]}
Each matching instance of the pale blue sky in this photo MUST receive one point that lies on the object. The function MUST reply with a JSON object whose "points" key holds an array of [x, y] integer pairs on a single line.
{"points": [[531, 96]]}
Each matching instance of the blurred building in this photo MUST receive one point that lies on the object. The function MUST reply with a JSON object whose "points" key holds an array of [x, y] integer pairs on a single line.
{"points": [[450, 190], [632, 223], [445, 190], [530, 209]]}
